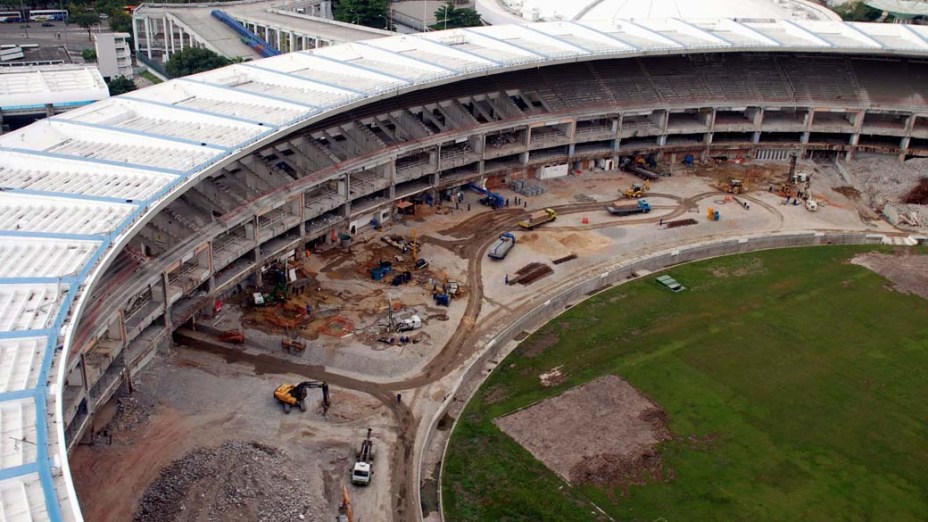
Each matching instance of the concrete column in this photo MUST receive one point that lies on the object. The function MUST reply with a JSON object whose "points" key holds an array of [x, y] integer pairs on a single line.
{"points": [[135, 34], [148, 36], [49, 110], [617, 144], [904, 145], [291, 39], [347, 195]]}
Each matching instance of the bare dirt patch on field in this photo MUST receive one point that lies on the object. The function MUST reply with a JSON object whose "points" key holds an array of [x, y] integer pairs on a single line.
{"points": [[538, 344], [908, 273], [617, 446]]}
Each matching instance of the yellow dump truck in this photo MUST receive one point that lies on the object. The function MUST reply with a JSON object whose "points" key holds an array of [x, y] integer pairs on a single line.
{"points": [[539, 218]]}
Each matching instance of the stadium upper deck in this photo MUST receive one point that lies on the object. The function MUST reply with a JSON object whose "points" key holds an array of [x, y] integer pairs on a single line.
{"points": [[74, 189]]}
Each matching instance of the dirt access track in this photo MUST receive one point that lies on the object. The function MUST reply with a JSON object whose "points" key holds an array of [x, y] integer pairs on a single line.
{"points": [[621, 430]]}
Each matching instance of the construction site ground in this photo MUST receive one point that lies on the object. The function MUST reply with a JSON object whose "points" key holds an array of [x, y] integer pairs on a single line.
{"points": [[197, 400], [207, 394]]}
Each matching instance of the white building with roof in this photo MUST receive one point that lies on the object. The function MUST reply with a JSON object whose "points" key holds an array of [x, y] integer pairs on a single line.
{"points": [[48, 89], [113, 56]]}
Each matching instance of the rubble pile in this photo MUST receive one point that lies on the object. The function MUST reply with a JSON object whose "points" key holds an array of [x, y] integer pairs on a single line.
{"points": [[131, 412], [234, 481], [886, 183]]}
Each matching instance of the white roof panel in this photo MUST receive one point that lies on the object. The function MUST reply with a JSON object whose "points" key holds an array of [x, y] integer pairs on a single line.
{"points": [[80, 179], [29, 306], [22, 499], [20, 362], [42, 258], [25, 213]]}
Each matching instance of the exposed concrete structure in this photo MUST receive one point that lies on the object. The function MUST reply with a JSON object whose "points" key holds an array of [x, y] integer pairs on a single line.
{"points": [[163, 29], [157, 202]]}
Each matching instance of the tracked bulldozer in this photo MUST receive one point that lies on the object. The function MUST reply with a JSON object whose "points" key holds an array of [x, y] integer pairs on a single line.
{"points": [[294, 395]]}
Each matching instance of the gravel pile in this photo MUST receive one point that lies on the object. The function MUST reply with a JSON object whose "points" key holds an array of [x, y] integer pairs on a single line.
{"points": [[884, 182], [131, 412], [234, 481]]}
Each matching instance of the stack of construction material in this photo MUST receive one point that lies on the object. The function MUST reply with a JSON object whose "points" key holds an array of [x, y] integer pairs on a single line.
{"points": [[521, 187]]}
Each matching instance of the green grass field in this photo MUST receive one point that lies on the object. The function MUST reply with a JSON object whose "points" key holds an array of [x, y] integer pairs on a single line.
{"points": [[809, 373]]}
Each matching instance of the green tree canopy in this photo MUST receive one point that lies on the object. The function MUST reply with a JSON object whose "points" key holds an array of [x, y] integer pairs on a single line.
{"points": [[89, 55], [121, 85], [85, 19], [857, 11], [193, 60], [371, 13], [120, 22], [449, 17]]}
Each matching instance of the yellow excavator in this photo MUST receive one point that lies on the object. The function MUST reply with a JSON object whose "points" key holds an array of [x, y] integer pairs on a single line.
{"points": [[290, 395], [638, 189], [345, 513]]}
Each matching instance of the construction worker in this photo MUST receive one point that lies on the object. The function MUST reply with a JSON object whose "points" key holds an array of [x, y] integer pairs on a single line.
{"points": [[507, 279]]}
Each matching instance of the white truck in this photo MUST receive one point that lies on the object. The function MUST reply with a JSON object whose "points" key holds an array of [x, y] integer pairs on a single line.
{"points": [[410, 323], [362, 471], [502, 246]]}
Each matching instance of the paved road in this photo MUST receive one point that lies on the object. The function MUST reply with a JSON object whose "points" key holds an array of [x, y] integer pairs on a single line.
{"points": [[71, 35]]}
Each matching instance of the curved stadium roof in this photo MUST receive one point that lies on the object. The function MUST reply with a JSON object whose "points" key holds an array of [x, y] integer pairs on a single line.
{"points": [[521, 11], [76, 187]]}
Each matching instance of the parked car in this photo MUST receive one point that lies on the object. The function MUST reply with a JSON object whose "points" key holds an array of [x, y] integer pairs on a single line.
{"points": [[48, 24]]}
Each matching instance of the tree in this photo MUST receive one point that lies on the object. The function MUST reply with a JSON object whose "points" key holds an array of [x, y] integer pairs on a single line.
{"points": [[448, 17], [85, 19], [120, 22], [121, 85], [193, 60], [857, 11], [89, 55], [371, 13]]}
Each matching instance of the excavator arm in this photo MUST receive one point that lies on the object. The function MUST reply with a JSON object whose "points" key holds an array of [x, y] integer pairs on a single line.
{"points": [[293, 395]]}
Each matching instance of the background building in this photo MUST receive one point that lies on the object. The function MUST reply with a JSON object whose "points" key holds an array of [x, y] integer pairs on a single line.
{"points": [[113, 57]]}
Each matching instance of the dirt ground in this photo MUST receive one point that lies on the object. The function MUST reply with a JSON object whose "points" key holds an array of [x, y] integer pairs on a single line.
{"points": [[908, 273], [557, 244], [618, 442], [219, 420]]}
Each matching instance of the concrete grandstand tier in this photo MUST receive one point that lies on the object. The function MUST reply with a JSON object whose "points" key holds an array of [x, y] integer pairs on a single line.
{"points": [[156, 201]]}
